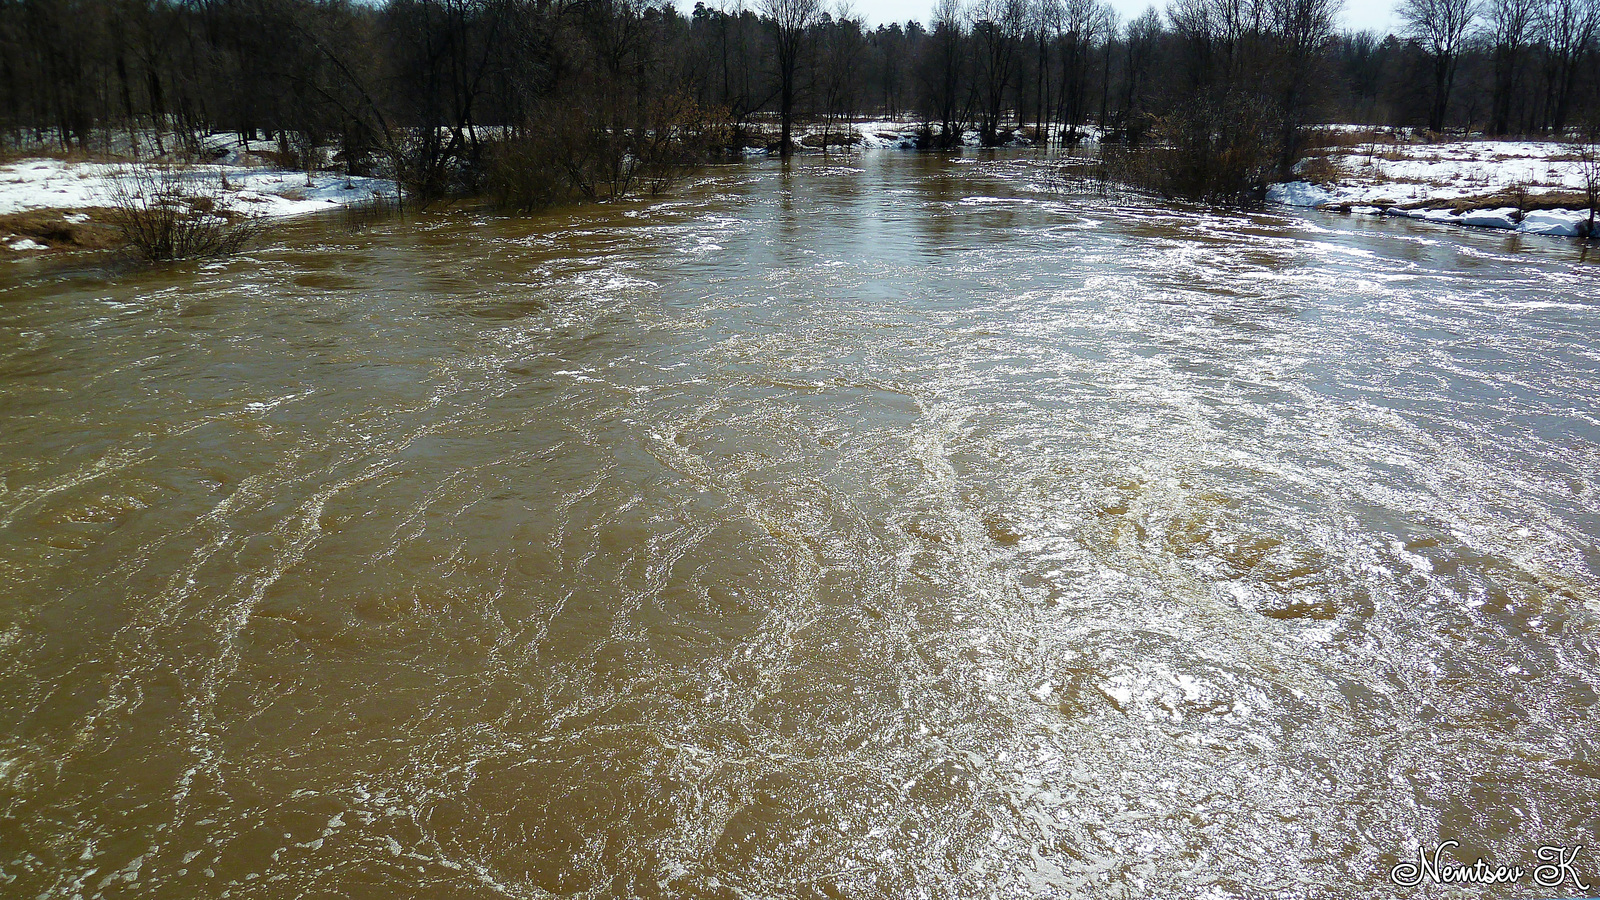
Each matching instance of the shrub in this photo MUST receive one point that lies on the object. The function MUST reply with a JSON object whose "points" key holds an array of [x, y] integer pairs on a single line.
{"points": [[601, 153], [1227, 147], [169, 213], [1587, 151], [1321, 168], [525, 173]]}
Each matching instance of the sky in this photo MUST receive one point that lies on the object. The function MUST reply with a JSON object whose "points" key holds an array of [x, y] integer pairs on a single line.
{"points": [[1357, 15]]}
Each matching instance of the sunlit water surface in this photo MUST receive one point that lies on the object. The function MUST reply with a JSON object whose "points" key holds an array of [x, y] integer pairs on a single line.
{"points": [[892, 527]]}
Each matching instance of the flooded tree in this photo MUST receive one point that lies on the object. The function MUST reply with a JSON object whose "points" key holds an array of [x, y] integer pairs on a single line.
{"points": [[997, 27], [839, 76], [791, 21], [1085, 27], [943, 74]]}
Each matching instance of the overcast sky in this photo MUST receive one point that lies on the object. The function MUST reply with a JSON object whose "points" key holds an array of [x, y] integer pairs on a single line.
{"points": [[1358, 14]]}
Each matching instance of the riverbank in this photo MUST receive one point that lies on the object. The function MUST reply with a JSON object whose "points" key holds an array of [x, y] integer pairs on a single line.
{"points": [[1532, 187], [54, 204]]}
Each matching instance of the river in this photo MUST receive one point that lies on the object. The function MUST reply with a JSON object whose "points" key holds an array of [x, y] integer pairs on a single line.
{"points": [[886, 526]]}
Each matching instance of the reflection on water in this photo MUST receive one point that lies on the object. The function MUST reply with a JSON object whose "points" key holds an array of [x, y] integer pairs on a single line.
{"points": [[886, 528]]}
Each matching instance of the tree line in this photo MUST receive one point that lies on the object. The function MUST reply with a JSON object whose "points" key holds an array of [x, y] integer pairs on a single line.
{"points": [[541, 98]]}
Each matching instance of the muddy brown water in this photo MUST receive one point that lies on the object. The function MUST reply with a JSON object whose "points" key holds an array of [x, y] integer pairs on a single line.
{"points": [[897, 527]]}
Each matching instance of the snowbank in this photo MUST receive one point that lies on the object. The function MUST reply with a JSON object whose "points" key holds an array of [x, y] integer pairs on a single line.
{"points": [[885, 135], [1555, 221], [1504, 217], [1561, 222], [68, 195]]}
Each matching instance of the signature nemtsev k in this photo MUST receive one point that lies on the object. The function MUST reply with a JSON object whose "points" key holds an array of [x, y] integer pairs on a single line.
{"points": [[1555, 868]]}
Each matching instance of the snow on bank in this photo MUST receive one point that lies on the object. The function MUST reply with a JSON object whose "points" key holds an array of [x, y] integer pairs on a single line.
{"points": [[1428, 182], [878, 134], [1556, 221], [1406, 173], [1560, 222], [55, 184], [1298, 193], [885, 135]]}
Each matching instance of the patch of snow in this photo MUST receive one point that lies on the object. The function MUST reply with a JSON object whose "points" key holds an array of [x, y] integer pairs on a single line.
{"points": [[885, 135], [1450, 171], [1298, 193], [23, 243], [50, 183]]}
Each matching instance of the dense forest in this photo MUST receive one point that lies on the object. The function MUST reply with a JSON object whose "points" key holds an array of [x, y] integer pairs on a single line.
{"points": [[606, 96]]}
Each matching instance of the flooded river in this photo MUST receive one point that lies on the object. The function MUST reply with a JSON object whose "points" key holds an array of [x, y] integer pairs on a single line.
{"points": [[892, 527]]}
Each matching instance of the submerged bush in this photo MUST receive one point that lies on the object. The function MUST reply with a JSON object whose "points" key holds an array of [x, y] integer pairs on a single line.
{"points": [[600, 152], [168, 213], [1223, 148], [1227, 148]]}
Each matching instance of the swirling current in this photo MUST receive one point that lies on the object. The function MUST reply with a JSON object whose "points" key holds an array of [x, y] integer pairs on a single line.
{"points": [[888, 526]]}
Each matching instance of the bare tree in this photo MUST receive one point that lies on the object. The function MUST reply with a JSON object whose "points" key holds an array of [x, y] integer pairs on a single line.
{"points": [[739, 62], [1441, 27], [997, 28], [1508, 26], [1220, 36], [1587, 150], [1567, 28], [1046, 26], [943, 71], [842, 48], [890, 43], [1301, 31], [1084, 23], [791, 19], [1140, 45]]}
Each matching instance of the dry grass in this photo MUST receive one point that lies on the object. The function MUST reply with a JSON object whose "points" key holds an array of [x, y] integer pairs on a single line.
{"points": [[1328, 138], [1526, 202], [9, 155], [52, 228], [1322, 168]]}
